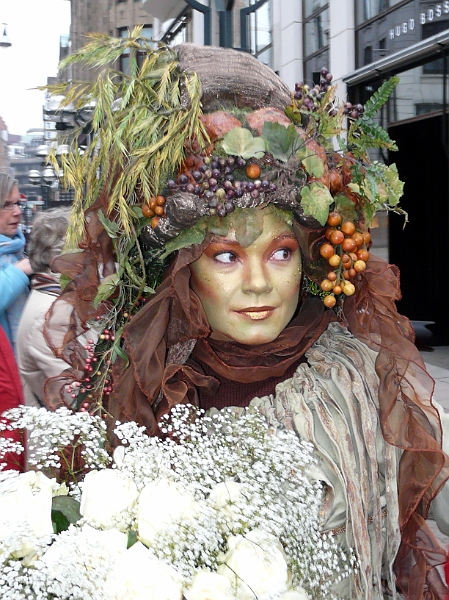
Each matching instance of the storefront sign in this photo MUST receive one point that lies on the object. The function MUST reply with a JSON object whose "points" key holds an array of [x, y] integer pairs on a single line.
{"points": [[431, 14]]}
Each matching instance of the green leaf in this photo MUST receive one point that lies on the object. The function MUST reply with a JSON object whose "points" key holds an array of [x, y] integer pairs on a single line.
{"points": [[117, 352], [136, 212], [109, 226], [391, 188], [316, 200], [369, 210], [241, 142], [314, 165], [378, 99], [294, 114], [106, 288], [346, 207], [282, 142], [248, 225], [188, 237], [64, 512], [132, 538]]}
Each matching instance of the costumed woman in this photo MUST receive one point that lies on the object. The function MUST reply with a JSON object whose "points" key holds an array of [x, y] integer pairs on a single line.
{"points": [[210, 184]]}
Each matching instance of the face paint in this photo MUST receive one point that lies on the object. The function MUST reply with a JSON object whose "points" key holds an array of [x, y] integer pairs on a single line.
{"points": [[250, 294]]}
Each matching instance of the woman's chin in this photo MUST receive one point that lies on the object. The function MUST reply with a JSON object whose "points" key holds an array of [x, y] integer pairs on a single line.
{"points": [[247, 339]]}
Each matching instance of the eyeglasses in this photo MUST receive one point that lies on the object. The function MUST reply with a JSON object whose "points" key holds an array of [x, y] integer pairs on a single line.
{"points": [[11, 205]]}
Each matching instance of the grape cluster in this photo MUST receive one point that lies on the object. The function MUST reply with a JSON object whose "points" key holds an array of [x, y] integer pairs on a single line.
{"points": [[353, 110], [309, 99], [214, 181], [346, 253]]}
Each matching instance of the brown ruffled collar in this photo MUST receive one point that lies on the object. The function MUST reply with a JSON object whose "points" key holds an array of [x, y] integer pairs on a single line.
{"points": [[247, 364]]}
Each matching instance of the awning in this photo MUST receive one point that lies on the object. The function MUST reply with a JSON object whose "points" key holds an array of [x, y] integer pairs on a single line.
{"points": [[406, 58]]}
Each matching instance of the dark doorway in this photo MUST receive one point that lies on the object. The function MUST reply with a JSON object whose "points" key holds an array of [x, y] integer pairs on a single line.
{"points": [[421, 249]]}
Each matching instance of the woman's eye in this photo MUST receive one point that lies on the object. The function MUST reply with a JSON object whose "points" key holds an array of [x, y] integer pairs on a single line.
{"points": [[282, 254], [226, 257]]}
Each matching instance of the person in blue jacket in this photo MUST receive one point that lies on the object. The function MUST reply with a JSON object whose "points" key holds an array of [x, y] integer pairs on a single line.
{"points": [[15, 268]]}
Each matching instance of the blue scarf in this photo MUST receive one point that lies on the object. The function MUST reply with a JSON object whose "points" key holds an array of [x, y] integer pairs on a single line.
{"points": [[13, 245]]}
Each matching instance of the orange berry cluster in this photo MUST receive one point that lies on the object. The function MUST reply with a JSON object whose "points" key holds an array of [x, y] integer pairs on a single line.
{"points": [[154, 210], [347, 254]]}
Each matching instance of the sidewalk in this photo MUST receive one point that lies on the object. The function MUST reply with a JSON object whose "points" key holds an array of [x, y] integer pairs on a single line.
{"points": [[437, 363]]}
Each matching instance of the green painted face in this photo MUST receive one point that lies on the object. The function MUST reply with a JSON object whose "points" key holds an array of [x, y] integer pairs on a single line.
{"points": [[249, 294]]}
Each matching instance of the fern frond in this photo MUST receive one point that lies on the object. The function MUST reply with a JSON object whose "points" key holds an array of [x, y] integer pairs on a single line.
{"points": [[367, 132], [380, 97]]}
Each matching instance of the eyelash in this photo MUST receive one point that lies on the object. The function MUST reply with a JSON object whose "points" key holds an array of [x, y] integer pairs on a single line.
{"points": [[234, 256]]}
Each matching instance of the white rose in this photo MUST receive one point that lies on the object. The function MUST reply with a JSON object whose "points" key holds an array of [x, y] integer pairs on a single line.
{"points": [[297, 594], [209, 586], [25, 510], [224, 497], [82, 556], [255, 565], [106, 494], [161, 503], [141, 576]]}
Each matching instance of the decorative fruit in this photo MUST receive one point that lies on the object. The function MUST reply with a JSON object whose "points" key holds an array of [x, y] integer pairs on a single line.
{"points": [[329, 301], [160, 200], [334, 260], [335, 183], [253, 171], [359, 266], [334, 218], [363, 255], [336, 237], [147, 211], [154, 221], [326, 285], [348, 227], [348, 245], [348, 289], [327, 250]]}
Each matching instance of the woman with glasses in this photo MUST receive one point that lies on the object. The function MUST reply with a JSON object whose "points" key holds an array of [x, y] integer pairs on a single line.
{"points": [[14, 267]]}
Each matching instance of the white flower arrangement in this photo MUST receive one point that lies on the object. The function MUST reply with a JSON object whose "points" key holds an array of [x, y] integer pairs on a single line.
{"points": [[223, 508]]}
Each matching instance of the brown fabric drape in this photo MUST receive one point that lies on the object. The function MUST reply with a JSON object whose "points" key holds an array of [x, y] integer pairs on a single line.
{"points": [[408, 420], [150, 387], [247, 364]]}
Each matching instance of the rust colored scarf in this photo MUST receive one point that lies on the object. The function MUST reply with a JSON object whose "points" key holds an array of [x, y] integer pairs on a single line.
{"points": [[173, 317]]}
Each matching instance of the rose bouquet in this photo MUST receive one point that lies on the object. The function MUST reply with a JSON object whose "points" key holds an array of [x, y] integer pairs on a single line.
{"points": [[224, 508]]}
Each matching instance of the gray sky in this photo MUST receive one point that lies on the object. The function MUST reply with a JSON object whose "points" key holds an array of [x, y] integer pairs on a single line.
{"points": [[34, 28]]}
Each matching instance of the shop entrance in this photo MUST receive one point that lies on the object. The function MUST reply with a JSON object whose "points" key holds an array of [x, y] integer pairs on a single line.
{"points": [[421, 249]]}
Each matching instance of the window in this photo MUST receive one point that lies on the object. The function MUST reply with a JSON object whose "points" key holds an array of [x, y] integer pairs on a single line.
{"points": [[312, 6], [316, 37], [147, 33], [368, 55], [260, 33], [436, 67], [367, 9], [316, 32]]}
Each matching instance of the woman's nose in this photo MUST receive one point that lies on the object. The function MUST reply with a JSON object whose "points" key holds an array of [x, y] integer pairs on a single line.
{"points": [[256, 279]]}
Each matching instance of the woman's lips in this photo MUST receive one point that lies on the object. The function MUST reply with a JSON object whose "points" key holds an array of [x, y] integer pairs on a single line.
{"points": [[257, 313]]}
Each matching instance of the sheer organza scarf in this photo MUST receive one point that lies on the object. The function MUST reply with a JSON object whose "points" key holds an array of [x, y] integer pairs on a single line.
{"points": [[408, 420], [174, 317]]}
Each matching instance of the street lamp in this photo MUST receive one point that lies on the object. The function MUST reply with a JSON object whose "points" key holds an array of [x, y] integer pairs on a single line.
{"points": [[5, 42], [49, 176]]}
